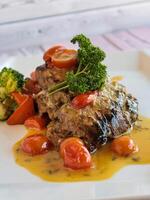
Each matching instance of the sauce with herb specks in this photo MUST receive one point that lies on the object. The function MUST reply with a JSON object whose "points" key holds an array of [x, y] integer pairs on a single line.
{"points": [[49, 166]]}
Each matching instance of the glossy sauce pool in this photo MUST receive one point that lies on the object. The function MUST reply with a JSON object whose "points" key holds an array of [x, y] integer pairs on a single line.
{"points": [[49, 166]]}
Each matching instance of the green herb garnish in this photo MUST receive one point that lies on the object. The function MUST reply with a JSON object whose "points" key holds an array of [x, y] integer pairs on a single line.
{"points": [[91, 73]]}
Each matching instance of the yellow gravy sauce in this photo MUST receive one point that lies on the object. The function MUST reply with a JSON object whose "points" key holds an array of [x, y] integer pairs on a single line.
{"points": [[49, 166]]}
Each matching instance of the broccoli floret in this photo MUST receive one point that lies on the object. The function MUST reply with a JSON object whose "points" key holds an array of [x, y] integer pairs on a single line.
{"points": [[10, 81], [3, 111], [7, 107], [3, 93]]}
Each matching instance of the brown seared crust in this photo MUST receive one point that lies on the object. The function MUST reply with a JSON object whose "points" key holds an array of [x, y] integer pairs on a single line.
{"points": [[51, 104], [48, 75], [112, 114], [95, 124], [44, 76]]}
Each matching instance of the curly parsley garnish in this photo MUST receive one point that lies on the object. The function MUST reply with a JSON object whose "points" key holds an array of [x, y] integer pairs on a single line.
{"points": [[91, 73]]}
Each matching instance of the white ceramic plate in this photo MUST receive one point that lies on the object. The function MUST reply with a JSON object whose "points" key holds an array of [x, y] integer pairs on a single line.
{"points": [[132, 182]]}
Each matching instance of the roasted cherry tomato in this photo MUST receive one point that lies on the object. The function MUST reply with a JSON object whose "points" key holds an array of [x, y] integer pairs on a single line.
{"points": [[48, 54], [83, 100], [123, 146], [64, 58], [35, 122], [36, 144], [75, 154], [70, 141]]}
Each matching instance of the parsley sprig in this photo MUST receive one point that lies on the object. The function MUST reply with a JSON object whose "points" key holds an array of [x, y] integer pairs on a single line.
{"points": [[90, 75]]}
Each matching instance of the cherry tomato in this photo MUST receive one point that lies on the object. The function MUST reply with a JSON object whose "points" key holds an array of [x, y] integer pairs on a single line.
{"points": [[75, 155], [83, 100], [123, 146], [64, 58], [35, 122], [36, 144], [48, 54], [70, 141]]}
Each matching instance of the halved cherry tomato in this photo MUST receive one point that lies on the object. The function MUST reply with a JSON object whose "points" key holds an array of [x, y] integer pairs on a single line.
{"points": [[75, 154], [35, 122], [24, 111], [83, 100], [64, 58], [19, 98], [123, 146], [48, 54], [33, 76], [36, 144]]}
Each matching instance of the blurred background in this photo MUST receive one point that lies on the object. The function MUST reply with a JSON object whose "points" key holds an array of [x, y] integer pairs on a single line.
{"points": [[30, 26]]}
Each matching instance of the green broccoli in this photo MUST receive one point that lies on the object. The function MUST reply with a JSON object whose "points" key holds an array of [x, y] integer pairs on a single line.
{"points": [[7, 107], [10, 81], [90, 75]]}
